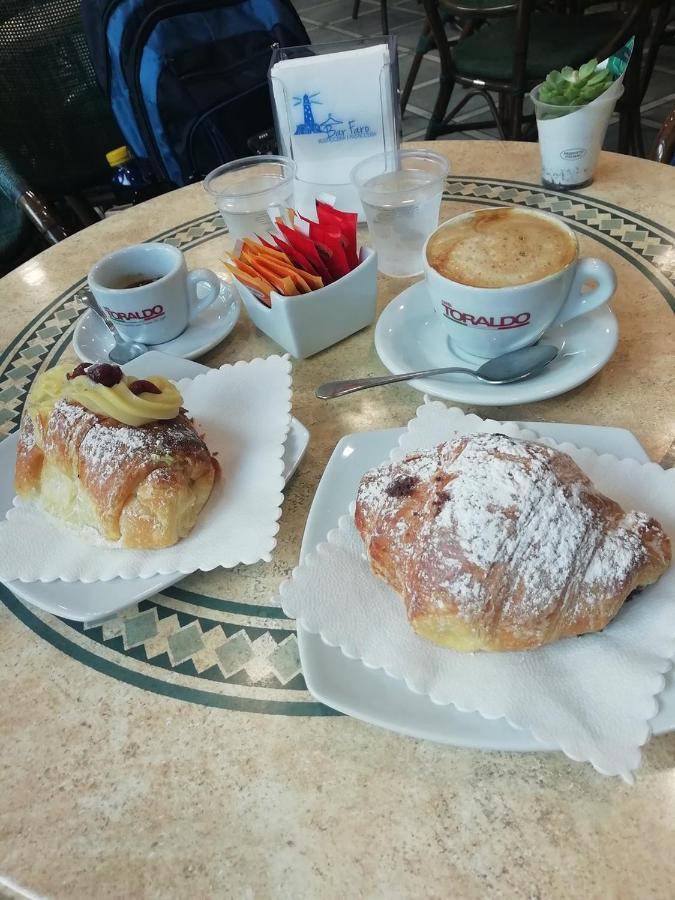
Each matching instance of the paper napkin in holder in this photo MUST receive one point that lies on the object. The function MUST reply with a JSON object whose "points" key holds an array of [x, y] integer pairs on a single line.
{"points": [[334, 105]]}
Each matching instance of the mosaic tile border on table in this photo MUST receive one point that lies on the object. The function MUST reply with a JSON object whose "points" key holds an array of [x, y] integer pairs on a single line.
{"points": [[215, 651]]}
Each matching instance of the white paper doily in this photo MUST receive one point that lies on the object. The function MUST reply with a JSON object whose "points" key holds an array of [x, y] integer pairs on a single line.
{"points": [[591, 696], [244, 411]]}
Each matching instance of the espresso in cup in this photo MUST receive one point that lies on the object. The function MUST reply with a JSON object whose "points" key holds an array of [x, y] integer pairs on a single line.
{"points": [[127, 282], [499, 278], [496, 248]]}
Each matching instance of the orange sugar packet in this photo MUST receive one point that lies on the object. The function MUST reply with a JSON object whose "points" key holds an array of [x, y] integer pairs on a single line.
{"points": [[259, 287], [283, 284], [297, 277], [278, 262], [313, 282], [310, 281], [251, 247], [244, 267]]}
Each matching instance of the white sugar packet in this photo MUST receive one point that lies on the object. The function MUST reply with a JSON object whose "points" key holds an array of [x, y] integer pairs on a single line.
{"points": [[593, 697], [244, 412]]}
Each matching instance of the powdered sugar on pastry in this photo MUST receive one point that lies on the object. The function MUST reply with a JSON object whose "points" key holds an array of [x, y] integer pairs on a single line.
{"points": [[499, 543], [91, 470]]}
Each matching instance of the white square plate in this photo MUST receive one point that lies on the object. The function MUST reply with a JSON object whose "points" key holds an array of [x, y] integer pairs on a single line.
{"points": [[98, 600], [371, 695]]}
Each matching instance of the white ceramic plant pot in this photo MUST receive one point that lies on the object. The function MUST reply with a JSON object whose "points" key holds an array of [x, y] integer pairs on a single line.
{"points": [[305, 324], [571, 137]]}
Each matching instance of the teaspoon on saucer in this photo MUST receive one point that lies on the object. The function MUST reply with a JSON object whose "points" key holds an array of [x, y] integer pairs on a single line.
{"points": [[505, 369], [122, 351]]}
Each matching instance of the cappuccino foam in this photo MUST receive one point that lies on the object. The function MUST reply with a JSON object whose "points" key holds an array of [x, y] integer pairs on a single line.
{"points": [[496, 248]]}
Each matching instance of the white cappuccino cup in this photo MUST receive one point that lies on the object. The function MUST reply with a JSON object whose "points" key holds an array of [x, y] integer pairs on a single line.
{"points": [[147, 291], [498, 278]]}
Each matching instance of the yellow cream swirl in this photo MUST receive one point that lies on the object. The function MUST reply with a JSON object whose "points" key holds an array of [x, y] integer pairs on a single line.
{"points": [[117, 402], [46, 390]]}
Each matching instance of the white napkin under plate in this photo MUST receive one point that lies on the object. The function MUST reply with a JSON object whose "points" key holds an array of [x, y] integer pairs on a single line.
{"points": [[592, 696], [244, 412]]}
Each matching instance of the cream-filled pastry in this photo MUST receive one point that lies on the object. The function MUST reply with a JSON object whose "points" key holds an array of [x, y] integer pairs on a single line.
{"points": [[115, 453]]}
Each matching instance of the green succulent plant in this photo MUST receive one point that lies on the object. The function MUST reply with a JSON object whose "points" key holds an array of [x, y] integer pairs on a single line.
{"points": [[575, 87]]}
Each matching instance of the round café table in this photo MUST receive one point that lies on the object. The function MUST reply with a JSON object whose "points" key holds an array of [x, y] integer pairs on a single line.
{"points": [[133, 768]]}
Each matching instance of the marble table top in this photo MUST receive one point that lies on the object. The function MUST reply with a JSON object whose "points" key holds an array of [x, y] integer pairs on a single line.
{"points": [[132, 768]]}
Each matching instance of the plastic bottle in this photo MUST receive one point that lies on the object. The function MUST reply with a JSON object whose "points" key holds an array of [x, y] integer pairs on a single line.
{"points": [[132, 179]]}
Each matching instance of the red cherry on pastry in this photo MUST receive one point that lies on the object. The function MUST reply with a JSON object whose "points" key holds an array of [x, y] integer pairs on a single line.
{"points": [[105, 374], [78, 370], [144, 387]]}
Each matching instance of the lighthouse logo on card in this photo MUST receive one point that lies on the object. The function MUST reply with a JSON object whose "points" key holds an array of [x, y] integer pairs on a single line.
{"points": [[331, 129]]}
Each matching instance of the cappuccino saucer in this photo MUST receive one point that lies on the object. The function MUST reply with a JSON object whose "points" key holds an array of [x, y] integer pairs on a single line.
{"points": [[409, 337], [92, 341]]}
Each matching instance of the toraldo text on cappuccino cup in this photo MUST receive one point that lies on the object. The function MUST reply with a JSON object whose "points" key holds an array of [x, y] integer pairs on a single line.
{"points": [[498, 278]]}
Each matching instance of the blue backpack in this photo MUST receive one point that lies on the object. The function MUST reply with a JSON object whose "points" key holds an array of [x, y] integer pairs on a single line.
{"points": [[187, 79]]}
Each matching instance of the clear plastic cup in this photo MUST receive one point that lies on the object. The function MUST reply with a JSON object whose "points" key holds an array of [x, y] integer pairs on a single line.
{"points": [[246, 190], [401, 195]]}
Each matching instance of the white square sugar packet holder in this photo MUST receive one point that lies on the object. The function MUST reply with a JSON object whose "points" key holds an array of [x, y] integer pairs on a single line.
{"points": [[593, 696], [244, 412]]}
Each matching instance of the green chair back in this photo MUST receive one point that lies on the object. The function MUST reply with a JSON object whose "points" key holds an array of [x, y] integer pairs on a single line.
{"points": [[509, 55], [554, 41]]}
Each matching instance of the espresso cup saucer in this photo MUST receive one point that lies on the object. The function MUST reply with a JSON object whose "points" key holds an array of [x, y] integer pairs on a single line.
{"points": [[92, 341], [409, 337]]}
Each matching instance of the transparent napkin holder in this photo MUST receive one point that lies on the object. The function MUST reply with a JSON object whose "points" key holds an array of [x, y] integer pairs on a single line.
{"points": [[297, 116]]}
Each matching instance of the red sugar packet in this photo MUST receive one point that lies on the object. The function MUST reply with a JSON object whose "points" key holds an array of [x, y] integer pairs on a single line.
{"points": [[346, 222], [294, 255], [331, 239], [308, 248], [301, 257]]}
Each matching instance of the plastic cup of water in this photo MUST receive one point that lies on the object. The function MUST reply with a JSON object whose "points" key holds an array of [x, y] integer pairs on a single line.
{"points": [[249, 191], [401, 195]]}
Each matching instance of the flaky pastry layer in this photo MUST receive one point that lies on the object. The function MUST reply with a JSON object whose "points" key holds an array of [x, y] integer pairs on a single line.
{"points": [[141, 486], [500, 544]]}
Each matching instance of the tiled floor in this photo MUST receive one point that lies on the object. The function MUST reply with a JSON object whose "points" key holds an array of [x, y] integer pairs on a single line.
{"points": [[331, 21]]}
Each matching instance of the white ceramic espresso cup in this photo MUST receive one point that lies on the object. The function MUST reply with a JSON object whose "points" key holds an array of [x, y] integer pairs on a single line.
{"points": [[159, 311], [485, 322]]}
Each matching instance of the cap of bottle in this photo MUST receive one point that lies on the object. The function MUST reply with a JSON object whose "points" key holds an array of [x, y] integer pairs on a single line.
{"points": [[118, 156]]}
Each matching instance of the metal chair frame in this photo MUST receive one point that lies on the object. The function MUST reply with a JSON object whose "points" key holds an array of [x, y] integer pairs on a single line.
{"points": [[508, 115], [663, 150], [37, 209], [384, 14]]}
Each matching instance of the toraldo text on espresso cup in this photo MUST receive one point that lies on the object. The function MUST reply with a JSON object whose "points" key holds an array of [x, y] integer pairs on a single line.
{"points": [[148, 292], [498, 278]]}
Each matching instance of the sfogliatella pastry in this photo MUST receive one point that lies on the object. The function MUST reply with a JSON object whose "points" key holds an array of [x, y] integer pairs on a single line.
{"points": [[500, 544], [107, 451]]}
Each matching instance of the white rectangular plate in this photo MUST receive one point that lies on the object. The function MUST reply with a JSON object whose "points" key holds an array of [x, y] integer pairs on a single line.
{"points": [[101, 599], [349, 686]]}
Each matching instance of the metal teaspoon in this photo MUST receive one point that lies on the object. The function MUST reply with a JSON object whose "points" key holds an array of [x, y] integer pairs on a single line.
{"points": [[514, 366], [122, 351]]}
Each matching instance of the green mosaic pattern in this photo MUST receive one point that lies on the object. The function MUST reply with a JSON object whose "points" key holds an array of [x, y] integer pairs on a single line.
{"points": [[203, 647], [211, 650]]}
